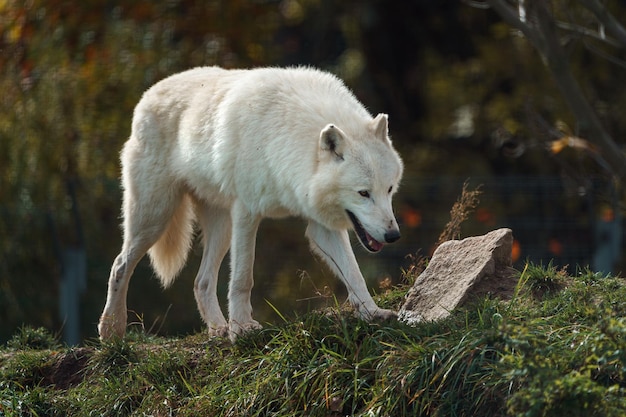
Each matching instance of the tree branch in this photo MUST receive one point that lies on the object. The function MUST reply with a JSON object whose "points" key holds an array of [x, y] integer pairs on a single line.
{"points": [[589, 33], [612, 59], [557, 62], [540, 30], [511, 17], [607, 19]]}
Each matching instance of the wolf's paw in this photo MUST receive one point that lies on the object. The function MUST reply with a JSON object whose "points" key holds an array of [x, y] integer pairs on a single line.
{"points": [[219, 331], [237, 329], [378, 314], [109, 327]]}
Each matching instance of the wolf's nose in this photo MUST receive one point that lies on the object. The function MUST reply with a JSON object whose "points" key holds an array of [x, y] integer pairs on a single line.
{"points": [[392, 235]]}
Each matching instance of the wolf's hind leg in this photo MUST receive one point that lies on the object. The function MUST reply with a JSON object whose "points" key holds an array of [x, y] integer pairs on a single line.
{"points": [[113, 319], [144, 223], [333, 246], [216, 228]]}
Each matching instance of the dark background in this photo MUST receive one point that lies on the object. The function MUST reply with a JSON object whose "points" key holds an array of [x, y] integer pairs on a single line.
{"points": [[467, 97]]}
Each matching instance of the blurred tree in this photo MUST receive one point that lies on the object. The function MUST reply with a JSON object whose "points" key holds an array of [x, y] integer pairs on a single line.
{"points": [[465, 95], [549, 27]]}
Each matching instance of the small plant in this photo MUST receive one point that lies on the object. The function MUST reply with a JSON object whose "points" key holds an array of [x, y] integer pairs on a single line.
{"points": [[418, 264], [33, 338], [114, 357], [542, 281], [461, 209]]}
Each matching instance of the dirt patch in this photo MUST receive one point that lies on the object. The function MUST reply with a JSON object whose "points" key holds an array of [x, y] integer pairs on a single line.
{"points": [[69, 368]]}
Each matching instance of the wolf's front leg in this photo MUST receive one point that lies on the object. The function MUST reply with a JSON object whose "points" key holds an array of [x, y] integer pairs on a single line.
{"points": [[333, 246], [245, 226]]}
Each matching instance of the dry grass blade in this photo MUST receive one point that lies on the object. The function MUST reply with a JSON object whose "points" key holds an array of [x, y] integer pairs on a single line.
{"points": [[466, 203]]}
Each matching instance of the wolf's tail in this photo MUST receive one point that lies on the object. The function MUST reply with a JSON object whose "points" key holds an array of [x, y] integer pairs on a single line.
{"points": [[169, 254]]}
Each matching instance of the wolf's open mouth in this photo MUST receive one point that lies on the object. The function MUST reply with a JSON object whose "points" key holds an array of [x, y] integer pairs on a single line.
{"points": [[366, 239]]}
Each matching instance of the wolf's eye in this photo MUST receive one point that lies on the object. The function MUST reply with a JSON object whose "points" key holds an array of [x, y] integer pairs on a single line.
{"points": [[390, 188], [364, 193]]}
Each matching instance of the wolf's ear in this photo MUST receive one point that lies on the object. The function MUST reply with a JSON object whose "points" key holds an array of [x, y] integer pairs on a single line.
{"points": [[332, 142], [380, 127]]}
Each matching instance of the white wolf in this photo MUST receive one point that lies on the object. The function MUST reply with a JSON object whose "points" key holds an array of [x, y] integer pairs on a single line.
{"points": [[228, 147]]}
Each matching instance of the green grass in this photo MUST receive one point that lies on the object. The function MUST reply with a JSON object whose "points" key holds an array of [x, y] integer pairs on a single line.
{"points": [[557, 349]]}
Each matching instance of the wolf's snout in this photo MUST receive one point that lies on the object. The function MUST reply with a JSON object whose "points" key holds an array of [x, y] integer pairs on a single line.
{"points": [[392, 235]]}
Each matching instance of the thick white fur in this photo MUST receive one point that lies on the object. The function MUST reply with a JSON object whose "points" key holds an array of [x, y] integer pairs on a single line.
{"points": [[228, 147]]}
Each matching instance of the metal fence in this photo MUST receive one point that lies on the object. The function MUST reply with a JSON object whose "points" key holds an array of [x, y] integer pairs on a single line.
{"points": [[552, 219]]}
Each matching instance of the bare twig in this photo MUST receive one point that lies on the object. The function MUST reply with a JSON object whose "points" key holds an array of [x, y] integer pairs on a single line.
{"points": [[612, 59], [607, 19], [540, 29], [588, 33]]}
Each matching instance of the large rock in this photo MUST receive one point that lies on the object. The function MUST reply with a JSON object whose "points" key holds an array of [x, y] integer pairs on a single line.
{"points": [[461, 270]]}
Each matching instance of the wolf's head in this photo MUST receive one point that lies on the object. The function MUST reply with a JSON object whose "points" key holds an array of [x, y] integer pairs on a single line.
{"points": [[358, 172]]}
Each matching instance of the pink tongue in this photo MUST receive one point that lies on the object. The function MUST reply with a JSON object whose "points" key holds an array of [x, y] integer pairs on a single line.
{"points": [[373, 243]]}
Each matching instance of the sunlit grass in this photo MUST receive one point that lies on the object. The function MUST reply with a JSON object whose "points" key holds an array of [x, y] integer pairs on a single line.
{"points": [[561, 351]]}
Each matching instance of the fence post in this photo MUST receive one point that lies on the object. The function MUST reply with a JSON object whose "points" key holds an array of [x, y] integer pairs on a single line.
{"points": [[73, 284]]}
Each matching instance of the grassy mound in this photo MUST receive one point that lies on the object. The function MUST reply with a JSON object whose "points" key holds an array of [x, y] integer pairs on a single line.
{"points": [[558, 348]]}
